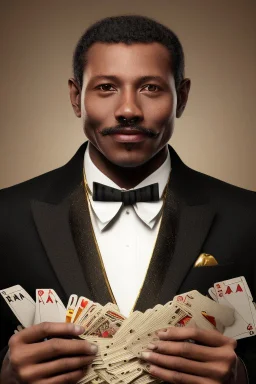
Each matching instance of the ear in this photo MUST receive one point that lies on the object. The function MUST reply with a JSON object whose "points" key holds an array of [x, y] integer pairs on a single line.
{"points": [[182, 96], [75, 96]]}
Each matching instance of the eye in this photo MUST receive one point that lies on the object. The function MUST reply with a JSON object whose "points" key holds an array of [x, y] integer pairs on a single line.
{"points": [[105, 87], [151, 88]]}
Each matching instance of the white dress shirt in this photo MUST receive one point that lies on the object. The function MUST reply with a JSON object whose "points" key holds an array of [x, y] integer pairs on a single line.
{"points": [[126, 235]]}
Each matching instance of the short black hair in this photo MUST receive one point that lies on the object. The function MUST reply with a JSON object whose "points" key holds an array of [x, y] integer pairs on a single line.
{"points": [[129, 29]]}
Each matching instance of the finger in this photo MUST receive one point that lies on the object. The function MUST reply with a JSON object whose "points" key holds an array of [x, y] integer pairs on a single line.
{"points": [[57, 367], [176, 377], [53, 348], [179, 364], [211, 338], [70, 377], [45, 330], [187, 350]]}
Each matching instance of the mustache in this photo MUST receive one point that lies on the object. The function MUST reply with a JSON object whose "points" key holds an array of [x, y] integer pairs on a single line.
{"points": [[112, 130]]}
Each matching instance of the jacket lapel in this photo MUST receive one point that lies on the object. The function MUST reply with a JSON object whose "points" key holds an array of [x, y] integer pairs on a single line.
{"points": [[51, 214], [187, 218], [52, 222], [87, 248], [162, 254], [194, 222]]}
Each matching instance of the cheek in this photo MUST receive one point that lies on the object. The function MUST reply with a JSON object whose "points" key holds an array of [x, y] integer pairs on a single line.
{"points": [[97, 112], [160, 113]]}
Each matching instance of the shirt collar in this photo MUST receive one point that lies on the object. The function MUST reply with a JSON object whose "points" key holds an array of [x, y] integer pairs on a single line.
{"points": [[106, 211]]}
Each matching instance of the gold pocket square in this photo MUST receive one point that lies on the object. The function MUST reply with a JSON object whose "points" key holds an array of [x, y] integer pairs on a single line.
{"points": [[205, 260]]}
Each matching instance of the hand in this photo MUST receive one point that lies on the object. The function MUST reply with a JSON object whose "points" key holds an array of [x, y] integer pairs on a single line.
{"points": [[58, 360], [177, 361]]}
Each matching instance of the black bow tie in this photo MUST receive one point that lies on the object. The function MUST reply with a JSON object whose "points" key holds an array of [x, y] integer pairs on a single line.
{"points": [[146, 194]]}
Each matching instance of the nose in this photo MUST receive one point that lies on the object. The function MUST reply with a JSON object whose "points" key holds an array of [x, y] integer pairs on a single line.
{"points": [[128, 111]]}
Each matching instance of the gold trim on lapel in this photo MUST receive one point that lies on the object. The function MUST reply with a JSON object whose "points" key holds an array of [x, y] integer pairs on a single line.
{"points": [[100, 258], [86, 246]]}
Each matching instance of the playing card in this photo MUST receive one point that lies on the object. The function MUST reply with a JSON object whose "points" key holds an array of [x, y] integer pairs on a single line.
{"points": [[177, 317], [61, 306], [21, 304], [88, 318], [116, 350], [18, 329], [48, 307], [121, 341], [235, 293], [88, 309], [212, 293], [205, 310], [107, 323], [127, 372], [146, 379], [81, 304], [147, 321], [71, 307]]}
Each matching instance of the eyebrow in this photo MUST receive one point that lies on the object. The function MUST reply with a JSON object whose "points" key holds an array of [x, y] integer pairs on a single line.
{"points": [[116, 79]]}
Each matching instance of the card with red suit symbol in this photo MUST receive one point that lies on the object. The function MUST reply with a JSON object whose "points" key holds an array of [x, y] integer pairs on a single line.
{"points": [[236, 294]]}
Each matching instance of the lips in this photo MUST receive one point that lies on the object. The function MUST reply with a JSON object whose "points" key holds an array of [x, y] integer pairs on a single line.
{"points": [[129, 135], [128, 131]]}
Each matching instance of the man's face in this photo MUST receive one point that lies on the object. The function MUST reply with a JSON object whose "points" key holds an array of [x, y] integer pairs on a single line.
{"points": [[128, 101]]}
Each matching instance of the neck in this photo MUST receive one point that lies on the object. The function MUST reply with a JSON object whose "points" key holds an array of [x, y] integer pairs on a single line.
{"points": [[127, 178]]}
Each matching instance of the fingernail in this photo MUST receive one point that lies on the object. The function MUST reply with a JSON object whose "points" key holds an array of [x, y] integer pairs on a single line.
{"points": [[93, 349], [79, 329], [162, 335], [151, 346], [161, 330], [145, 355], [148, 367]]}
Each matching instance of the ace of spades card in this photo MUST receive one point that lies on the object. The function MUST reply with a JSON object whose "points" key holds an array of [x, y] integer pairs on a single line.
{"points": [[21, 304], [49, 307]]}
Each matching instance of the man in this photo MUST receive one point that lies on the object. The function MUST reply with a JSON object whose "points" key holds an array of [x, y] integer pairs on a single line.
{"points": [[61, 230]]}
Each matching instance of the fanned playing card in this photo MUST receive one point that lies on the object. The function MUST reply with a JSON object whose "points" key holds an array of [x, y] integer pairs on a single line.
{"points": [[121, 340], [206, 311], [21, 304], [71, 308], [236, 294], [49, 307]]}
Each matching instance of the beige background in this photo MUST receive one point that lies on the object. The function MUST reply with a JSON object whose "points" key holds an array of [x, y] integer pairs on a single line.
{"points": [[38, 131]]}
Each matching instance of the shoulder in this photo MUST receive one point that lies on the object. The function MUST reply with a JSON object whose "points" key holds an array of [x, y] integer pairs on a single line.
{"points": [[16, 202], [219, 190], [30, 189], [50, 186], [198, 187], [238, 204]]}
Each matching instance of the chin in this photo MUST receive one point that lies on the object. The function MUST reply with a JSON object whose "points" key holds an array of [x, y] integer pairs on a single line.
{"points": [[129, 161]]}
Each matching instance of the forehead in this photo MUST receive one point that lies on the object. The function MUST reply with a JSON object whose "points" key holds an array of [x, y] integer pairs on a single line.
{"points": [[121, 59]]}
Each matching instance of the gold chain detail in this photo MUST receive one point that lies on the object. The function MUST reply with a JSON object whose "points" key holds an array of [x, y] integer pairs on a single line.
{"points": [[87, 192]]}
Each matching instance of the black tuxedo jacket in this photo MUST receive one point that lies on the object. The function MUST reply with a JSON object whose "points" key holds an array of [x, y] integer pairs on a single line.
{"points": [[46, 240]]}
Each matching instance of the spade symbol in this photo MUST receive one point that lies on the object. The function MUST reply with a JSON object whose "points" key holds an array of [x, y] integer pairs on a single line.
{"points": [[228, 291], [239, 288], [49, 299]]}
